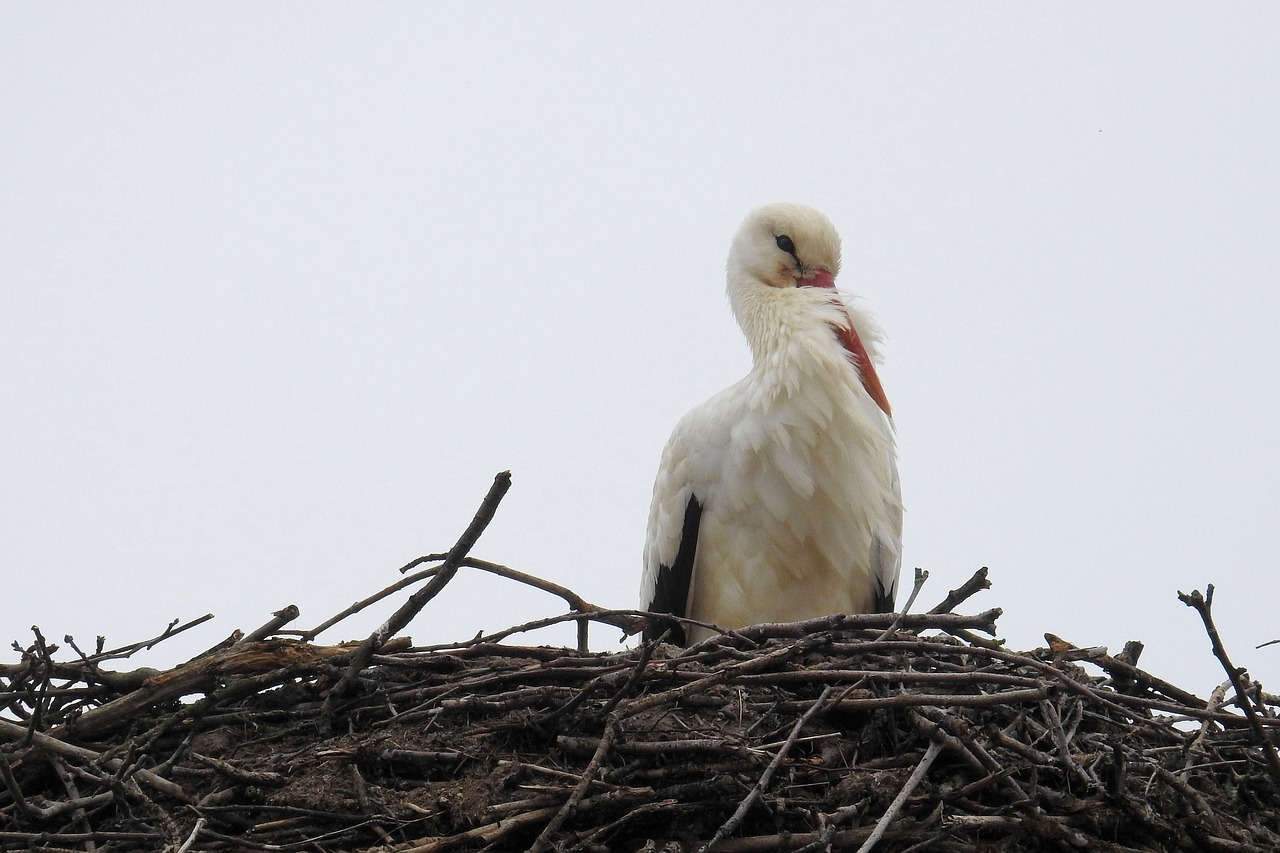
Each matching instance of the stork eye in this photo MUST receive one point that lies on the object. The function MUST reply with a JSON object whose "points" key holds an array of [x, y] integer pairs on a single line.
{"points": [[785, 244]]}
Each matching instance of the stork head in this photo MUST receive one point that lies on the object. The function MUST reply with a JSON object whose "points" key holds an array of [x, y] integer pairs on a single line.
{"points": [[786, 256], [786, 245]]}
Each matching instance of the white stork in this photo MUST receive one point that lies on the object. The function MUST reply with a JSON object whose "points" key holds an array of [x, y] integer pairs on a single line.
{"points": [[778, 499]]}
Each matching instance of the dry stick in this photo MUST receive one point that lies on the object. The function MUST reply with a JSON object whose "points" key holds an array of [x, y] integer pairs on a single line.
{"points": [[200, 675], [619, 619], [1062, 742], [79, 815], [308, 636], [171, 631], [630, 625], [735, 820], [11, 782], [1196, 747], [975, 584], [612, 826], [949, 622], [1192, 796], [948, 729], [822, 844], [543, 840], [489, 833], [195, 833], [642, 663], [606, 616], [419, 599], [1203, 604], [280, 618], [1125, 670], [45, 674], [921, 576], [576, 602], [896, 620], [899, 801]]}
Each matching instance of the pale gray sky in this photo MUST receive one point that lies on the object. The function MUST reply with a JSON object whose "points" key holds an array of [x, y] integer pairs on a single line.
{"points": [[284, 285]]}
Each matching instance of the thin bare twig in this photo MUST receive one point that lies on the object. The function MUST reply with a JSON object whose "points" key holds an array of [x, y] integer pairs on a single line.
{"points": [[543, 840], [1203, 605], [973, 585], [766, 777], [172, 630], [195, 833], [402, 617], [908, 787], [279, 619]]}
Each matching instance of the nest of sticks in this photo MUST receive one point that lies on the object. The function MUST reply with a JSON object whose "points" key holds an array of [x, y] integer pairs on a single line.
{"points": [[891, 732]]}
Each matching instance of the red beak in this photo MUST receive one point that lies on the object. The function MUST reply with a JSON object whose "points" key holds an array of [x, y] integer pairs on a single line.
{"points": [[852, 343]]}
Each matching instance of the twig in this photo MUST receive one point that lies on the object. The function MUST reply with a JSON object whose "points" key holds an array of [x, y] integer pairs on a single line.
{"points": [[281, 617], [195, 833], [984, 621], [1203, 605], [1050, 714], [920, 576], [200, 675], [606, 616], [576, 602], [79, 815], [133, 648], [365, 602], [543, 840], [752, 665], [11, 783], [402, 617], [735, 820], [973, 585], [899, 801]]}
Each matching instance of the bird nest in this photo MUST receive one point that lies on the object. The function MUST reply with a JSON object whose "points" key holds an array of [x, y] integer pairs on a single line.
{"points": [[888, 731]]}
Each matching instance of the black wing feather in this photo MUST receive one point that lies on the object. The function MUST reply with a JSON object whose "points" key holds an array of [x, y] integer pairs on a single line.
{"points": [[884, 598], [671, 592]]}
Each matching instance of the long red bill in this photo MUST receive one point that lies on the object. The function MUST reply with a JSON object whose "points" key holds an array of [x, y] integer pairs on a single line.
{"points": [[853, 345]]}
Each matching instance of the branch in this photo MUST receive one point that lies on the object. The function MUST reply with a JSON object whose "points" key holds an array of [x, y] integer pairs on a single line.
{"points": [[735, 820], [1203, 605], [579, 791], [984, 621], [411, 608], [973, 585], [577, 603], [281, 617], [899, 801], [365, 602], [132, 648]]}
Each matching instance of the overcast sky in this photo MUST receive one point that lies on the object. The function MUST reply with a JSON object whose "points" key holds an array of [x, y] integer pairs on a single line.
{"points": [[283, 286]]}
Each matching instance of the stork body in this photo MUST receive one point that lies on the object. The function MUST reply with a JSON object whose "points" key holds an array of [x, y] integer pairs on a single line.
{"points": [[778, 499]]}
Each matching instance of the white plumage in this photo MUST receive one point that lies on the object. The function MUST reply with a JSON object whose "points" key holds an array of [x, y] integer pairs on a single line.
{"points": [[778, 499]]}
